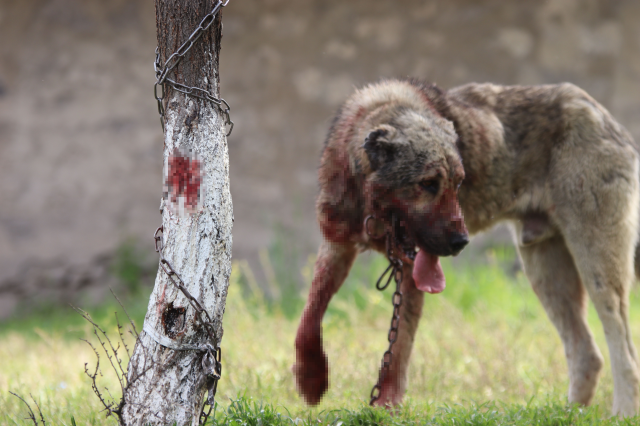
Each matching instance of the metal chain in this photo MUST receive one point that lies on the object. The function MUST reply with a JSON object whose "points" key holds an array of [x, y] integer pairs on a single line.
{"points": [[394, 270], [212, 359], [162, 72]]}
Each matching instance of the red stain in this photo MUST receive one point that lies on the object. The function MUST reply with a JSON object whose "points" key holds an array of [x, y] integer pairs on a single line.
{"points": [[340, 221], [444, 215], [449, 208], [160, 303], [346, 127], [311, 368], [427, 100], [184, 179], [333, 227]]}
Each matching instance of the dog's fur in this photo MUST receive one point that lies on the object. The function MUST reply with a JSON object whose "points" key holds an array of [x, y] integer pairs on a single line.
{"points": [[549, 160]]}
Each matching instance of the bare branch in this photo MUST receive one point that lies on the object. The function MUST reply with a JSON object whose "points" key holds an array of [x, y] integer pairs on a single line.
{"points": [[109, 357], [39, 410], [133, 326], [93, 376], [126, 348], [32, 416], [87, 317]]}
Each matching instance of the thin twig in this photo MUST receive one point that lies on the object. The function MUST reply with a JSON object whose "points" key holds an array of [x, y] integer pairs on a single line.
{"points": [[93, 377], [127, 313], [31, 415], [87, 317], [39, 410], [126, 348], [109, 357], [126, 376], [119, 370]]}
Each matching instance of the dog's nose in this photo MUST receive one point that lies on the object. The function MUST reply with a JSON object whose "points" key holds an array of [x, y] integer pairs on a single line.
{"points": [[458, 241]]}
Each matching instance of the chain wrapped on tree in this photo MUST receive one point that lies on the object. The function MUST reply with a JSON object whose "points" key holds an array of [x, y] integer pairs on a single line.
{"points": [[177, 358], [162, 72], [212, 359]]}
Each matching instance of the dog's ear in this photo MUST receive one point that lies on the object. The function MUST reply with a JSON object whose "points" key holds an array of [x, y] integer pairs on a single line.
{"points": [[378, 146]]}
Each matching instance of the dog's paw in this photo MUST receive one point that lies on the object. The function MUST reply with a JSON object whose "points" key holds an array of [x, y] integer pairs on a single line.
{"points": [[391, 393], [312, 376]]}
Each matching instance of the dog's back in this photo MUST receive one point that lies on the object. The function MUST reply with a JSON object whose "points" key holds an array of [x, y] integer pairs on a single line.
{"points": [[553, 162]]}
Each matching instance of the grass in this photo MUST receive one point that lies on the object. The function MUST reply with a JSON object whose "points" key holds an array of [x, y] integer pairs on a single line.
{"points": [[485, 354]]}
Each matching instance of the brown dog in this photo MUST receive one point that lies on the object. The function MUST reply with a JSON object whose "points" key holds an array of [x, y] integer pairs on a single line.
{"points": [[549, 160]]}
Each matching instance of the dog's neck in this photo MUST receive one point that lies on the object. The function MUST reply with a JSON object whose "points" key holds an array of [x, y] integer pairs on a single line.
{"points": [[438, 100], [475, 138]]}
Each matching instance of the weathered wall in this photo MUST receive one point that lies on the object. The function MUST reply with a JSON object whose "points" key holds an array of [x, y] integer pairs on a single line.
{"points": [[80, 143]]}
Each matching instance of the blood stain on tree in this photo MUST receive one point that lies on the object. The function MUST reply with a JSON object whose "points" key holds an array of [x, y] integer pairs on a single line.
{"points": [[183, 181]]}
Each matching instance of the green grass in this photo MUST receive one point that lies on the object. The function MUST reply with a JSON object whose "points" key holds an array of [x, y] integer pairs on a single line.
{"points": [[245, 411], [485, 354]]}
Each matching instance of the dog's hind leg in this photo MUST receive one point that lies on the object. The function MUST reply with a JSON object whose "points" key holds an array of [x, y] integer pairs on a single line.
{"points": [[596, 209], [395, 383], [555, 280], [311, 368], [605, 263]]}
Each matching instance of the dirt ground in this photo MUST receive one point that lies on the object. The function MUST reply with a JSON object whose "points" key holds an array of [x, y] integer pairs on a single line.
{"points": [[81, 144]]}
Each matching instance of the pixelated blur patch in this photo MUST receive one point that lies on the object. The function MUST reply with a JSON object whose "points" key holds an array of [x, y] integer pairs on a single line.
{"points": [[183, 189]]}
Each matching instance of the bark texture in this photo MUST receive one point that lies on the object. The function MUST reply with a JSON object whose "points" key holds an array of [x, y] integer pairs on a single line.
{"points": [[167, 386]]}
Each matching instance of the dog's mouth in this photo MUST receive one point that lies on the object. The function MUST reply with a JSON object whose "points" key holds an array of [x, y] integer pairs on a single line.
{"points": [[427, 272]]}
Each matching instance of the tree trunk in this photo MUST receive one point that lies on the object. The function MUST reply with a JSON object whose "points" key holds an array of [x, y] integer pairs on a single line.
{"points": [[167, 386]]}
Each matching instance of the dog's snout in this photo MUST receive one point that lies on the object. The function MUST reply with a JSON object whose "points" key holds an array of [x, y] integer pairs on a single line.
{"points": [[458, 241]]}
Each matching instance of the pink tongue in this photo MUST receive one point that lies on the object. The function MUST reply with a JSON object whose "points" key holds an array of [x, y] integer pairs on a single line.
{"points": [[427, 273]]}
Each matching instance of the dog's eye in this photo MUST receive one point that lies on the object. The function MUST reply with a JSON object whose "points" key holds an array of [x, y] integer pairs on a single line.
{"points": [[431, 186]]}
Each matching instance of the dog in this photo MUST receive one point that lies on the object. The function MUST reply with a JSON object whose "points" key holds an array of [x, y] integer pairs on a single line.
{"points": [[548, 160]]}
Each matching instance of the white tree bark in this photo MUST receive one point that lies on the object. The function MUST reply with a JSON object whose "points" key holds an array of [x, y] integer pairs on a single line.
{"points": [[170, 387]]}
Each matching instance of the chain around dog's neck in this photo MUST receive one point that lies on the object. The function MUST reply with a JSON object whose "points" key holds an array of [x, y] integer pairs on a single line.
{"points": [[394, 270]]}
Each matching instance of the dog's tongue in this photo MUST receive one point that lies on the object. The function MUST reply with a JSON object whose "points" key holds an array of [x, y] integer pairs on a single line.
{"points": [[427, 273]]}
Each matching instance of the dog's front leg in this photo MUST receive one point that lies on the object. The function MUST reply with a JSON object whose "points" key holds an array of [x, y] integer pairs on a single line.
{"points": [[395, 382], [311, 368]]}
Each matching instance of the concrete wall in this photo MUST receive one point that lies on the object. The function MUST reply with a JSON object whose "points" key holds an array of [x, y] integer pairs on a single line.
{"points": [[80, 141]]}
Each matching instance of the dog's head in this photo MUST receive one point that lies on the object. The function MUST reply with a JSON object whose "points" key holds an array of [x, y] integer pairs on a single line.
{"points": [[415, 171]]}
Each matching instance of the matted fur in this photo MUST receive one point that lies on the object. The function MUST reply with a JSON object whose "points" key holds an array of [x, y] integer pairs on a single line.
{"points": [[548, 160]]}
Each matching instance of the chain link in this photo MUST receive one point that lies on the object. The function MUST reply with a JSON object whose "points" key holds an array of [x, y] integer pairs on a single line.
{"points": [[394, 271], [162, 72], [212, 359]]}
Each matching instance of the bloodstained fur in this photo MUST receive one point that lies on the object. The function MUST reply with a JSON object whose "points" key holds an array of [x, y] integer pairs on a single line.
{"points": [[540, 158]]}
